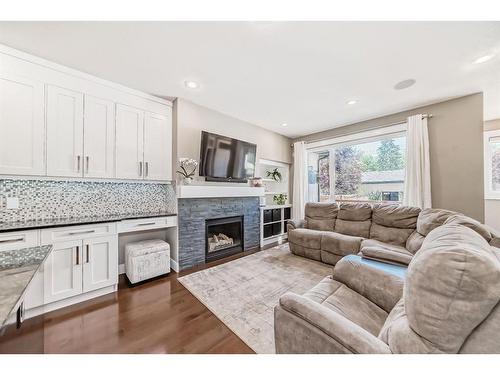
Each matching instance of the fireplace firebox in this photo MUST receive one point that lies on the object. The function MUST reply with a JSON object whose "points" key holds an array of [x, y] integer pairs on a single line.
{"points": [[223, 237]]}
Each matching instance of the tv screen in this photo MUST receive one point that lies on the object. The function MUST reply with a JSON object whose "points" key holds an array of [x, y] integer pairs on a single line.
{"points": [[224, 158]]}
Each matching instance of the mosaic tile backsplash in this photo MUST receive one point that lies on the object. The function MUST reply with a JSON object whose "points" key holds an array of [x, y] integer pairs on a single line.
{"points": [[44, 199]]}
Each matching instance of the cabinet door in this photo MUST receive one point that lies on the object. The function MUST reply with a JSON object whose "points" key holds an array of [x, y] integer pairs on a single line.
{"points": [[100, 267], [63, 271], [129, 142], [157, 146], [98, 138], [22, 126], [64, 132]]}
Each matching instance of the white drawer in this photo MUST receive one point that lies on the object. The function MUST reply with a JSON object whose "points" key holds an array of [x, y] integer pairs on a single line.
{"points": [[136, 225], [77, 232], [19, 240]]}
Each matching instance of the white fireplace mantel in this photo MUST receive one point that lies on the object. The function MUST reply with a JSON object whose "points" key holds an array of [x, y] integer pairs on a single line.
{"points": [[213, 191]]}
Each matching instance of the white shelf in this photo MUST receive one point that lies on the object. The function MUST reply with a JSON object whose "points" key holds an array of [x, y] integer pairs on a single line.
{"points": [[274, 163], [275, 192], [273, 206], [214, 191]]}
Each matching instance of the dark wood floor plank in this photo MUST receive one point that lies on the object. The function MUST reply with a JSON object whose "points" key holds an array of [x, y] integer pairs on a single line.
{"points": [[160, 316]]}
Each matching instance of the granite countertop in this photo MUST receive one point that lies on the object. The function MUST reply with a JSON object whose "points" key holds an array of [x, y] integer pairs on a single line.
{"points": [[51, 223], [17, 268]]}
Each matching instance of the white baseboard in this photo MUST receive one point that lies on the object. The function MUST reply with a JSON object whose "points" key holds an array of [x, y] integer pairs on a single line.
{"points": [[121, 269], [174, 265], [69, 301]]}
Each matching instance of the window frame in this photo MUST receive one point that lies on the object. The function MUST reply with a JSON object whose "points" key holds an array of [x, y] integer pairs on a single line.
{"points": [[371, 135], [489, 193]]}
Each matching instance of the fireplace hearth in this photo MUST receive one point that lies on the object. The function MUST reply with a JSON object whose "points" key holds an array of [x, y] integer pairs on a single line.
{"points": [[223, 237]]}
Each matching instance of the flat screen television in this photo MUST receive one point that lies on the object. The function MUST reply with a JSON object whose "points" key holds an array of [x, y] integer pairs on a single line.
{"points": [[226, 159]]}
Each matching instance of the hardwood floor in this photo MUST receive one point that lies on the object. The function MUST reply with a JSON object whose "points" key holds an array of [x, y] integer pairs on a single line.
{"points": [[160, 316]]}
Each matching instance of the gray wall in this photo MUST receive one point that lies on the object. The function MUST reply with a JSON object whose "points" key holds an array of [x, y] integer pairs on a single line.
{"points": [[492, 206], [190, 119], [456, 150]]}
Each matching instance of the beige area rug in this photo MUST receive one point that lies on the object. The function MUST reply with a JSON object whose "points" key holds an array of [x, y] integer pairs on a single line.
{"points": [[242, 293]]}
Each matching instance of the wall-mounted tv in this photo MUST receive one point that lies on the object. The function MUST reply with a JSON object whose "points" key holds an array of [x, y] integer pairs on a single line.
{"points": [[226, 159]]}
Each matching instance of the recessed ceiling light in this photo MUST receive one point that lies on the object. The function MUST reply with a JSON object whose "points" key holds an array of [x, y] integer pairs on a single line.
{"points": [[404, 84], [351, 102], [191, 84], [284, 124], [483, 59]]}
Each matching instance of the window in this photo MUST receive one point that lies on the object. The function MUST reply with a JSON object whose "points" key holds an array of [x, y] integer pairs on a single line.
{"points": [[492, 164], [364, 170]]}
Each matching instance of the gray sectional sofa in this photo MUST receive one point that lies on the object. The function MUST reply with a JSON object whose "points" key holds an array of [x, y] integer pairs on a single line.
{"points": [[389, 233], [442, 295]]}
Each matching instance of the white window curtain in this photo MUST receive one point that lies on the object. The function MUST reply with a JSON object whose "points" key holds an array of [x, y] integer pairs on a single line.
{"points": [[417, 191], [299, 179]]}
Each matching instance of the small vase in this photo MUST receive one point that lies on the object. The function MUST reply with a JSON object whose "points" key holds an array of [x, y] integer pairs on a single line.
{"points": [[188, 180]]}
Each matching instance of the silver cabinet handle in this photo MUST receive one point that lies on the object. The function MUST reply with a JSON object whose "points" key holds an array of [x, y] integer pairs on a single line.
{"points": [[144, 224], [82, 232], [147, 169], [78, 255], [88, 252], [78, 160], [140, 169], [12, 240], [87, 163]]}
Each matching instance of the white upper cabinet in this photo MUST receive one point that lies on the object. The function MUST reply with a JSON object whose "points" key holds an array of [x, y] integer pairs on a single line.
{"points": [[129, 154], [64, 132], [158, 146], [98, 138], [22, 127], [58, 122]]}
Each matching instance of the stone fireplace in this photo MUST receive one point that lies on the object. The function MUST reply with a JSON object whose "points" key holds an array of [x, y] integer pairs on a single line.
{"points": [[223, 237], [200, 217]]}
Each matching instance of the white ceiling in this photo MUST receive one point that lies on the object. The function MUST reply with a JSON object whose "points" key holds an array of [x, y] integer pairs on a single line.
{"points": [[268, 73]]}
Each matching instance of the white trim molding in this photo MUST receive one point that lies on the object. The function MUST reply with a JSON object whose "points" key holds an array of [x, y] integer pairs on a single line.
{"points": [[209, 191], [372, 134], [489, 136]]}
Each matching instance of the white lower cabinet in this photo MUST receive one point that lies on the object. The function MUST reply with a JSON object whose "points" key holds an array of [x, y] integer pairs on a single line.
{"points": [[63, 271], [100, 267], [80, 265]]}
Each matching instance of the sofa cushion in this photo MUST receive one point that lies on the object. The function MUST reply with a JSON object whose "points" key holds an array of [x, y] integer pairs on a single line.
{"points": [[431, 218], [469, 222], [414, 242], [381, 283], [340, 244], [355, 211], [346, 302], [452, 285], [353, 228], [321, 216], [395, 216], [306, 237], [395, 236], [373, 249]]}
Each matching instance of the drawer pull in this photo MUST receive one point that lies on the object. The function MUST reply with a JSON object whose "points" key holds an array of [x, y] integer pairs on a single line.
{"points": [[12, 240], [144, 224], [88, 250], [82, 232], [78, 255]]}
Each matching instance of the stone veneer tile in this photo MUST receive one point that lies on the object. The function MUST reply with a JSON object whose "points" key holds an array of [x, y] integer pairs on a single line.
{"points": [[192, 214]]}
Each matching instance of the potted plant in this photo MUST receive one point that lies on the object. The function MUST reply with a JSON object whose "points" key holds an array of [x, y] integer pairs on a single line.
{"points": [[280, 199], [275, 175], [187, 168]]}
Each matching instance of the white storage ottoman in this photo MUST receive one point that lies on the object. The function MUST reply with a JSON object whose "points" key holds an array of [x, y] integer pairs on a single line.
{"points": [[146, 259]]}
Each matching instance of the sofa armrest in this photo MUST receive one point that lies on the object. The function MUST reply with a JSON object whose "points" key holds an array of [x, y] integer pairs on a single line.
{"points": [[340, 329], [296, 223], [381, 283]]}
